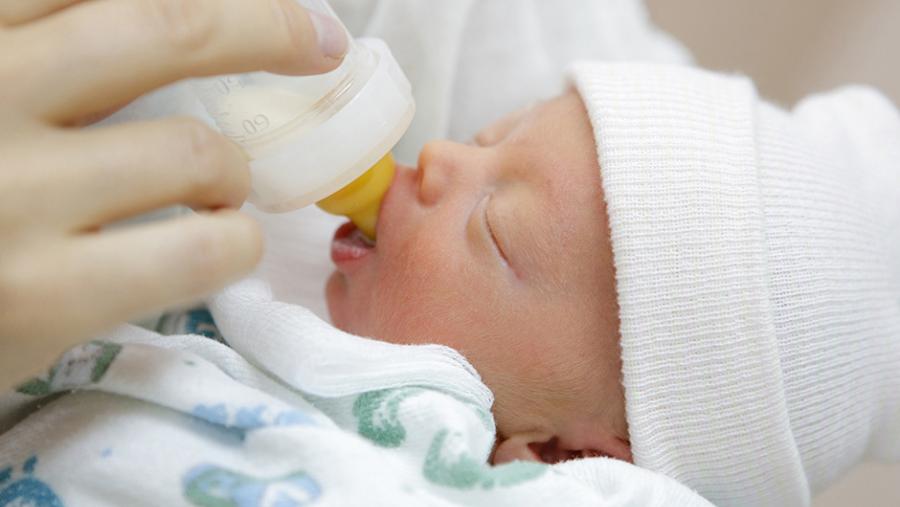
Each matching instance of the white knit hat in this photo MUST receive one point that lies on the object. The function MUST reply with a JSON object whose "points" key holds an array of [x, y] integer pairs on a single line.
{"points": [[758, 273]]}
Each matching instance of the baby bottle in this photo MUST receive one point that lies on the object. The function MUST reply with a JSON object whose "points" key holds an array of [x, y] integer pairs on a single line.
{"points": [[322, 139]]}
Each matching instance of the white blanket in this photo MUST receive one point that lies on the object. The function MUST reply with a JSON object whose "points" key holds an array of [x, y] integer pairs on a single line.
{"points": [[296, 413]]}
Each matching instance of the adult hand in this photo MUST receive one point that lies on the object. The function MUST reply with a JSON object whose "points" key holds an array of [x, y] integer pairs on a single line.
{"points": [[63, 62]]}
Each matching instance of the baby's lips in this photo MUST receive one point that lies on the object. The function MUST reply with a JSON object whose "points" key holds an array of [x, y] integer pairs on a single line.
{"points": [[348, 247]]}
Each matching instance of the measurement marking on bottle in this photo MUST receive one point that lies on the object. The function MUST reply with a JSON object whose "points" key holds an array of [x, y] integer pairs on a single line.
{"points": [[256, 125], [224, 85]]}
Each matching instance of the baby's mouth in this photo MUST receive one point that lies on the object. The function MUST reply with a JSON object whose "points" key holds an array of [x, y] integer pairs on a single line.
{"points": [[349, 245]]}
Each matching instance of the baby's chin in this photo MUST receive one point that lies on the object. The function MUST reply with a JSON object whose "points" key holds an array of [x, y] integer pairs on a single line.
{"points": [[336, 297], [347, 316], [344, 315]]}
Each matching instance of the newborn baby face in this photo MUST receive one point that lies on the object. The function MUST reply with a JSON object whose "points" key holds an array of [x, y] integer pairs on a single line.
{"points": [[500, 249]]}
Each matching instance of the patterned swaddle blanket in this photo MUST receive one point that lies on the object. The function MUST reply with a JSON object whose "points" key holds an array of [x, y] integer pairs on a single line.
{"points": [[143, 419]]}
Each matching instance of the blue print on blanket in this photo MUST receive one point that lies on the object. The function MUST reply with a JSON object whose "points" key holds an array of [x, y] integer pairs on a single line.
{"points": [[200, 321], [249, 418], [195, 321], [27, 491], [212, 486]]}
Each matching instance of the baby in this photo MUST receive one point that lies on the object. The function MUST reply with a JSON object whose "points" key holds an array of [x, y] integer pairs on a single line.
{"points": [[500, 249], [751, 255]]}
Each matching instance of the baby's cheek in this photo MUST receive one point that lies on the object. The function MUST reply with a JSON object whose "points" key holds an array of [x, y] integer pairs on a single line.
{"points": [[408, 307], [422, 298]]}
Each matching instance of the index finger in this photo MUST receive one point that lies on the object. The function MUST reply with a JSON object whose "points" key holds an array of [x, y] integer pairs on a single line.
{"points": [[107, 52]]}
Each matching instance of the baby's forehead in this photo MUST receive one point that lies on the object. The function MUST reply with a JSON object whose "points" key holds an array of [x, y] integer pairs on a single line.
{"points": [[556, 139], [536, 110]]}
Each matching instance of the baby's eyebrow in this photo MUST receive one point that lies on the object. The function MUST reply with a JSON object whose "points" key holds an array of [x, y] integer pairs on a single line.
{"points": [[505, 124], [478, 138]]}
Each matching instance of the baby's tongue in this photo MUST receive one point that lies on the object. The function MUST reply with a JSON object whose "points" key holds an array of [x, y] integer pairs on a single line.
{"points": [[350, 244], [361, 240]]}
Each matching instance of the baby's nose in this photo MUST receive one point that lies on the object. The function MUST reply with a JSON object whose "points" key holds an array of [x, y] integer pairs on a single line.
{"points": [[441, 169], [435, 164]]}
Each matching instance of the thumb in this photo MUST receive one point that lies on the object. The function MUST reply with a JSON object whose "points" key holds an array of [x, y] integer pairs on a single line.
{"points": [[320, 38]]}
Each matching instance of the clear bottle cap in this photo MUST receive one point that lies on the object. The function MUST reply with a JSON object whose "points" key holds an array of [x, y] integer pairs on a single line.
{"points": [[309, 136]]}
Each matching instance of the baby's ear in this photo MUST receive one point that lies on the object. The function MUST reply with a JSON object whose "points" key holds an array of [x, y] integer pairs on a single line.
{"points": [[541, 448], [516, 448]]}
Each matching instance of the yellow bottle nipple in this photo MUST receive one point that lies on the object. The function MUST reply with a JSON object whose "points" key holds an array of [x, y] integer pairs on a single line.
{"points": [[361, 199]]}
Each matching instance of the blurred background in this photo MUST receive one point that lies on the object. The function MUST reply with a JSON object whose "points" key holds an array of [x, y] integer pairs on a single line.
{"points": [[792, 48]]}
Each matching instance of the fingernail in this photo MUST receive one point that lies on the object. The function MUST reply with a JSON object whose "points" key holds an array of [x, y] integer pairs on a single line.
{"points": [[330, 34]]}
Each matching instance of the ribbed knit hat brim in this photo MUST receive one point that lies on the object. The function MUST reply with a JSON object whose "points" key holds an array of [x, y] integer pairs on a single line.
{"points": [[703, 384]]}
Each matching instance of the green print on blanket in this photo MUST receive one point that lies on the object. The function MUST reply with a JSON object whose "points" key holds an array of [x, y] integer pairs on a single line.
{"points": [[377, 411], [79, 366], [449, 463]]}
